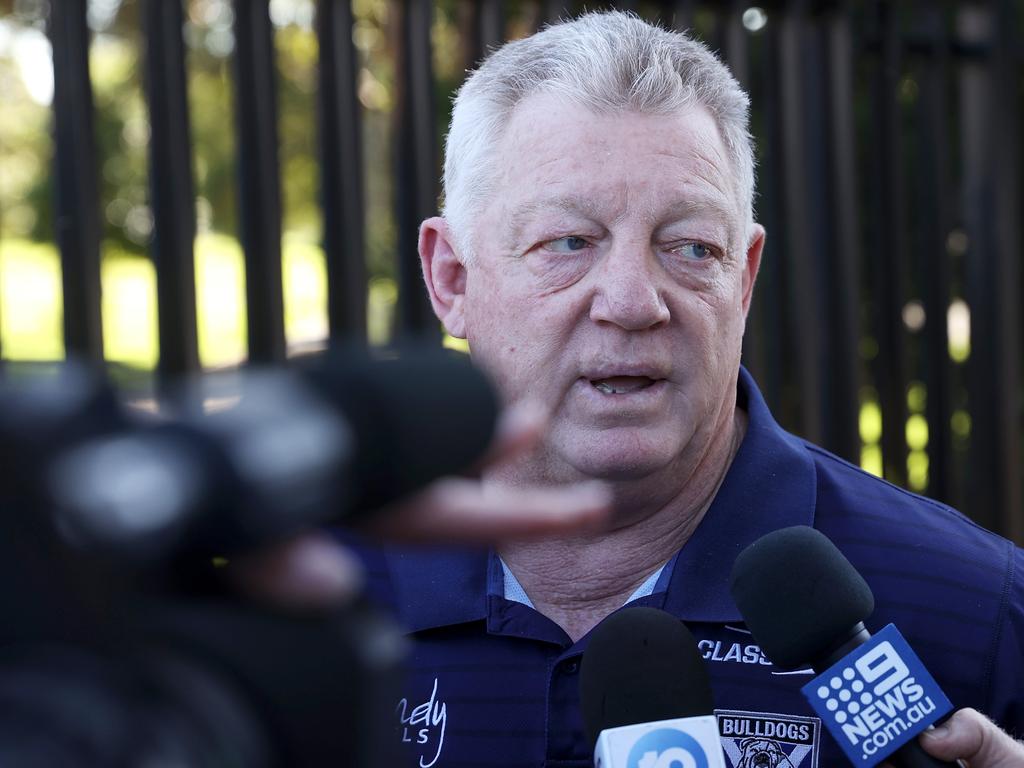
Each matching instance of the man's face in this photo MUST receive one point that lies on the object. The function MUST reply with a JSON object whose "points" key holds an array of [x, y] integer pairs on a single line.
{"points": [[611, 281]]}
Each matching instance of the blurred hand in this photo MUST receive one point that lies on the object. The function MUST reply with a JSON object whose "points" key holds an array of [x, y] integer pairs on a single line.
{"points": [[462, 511], [312, 571], [970, 736]]}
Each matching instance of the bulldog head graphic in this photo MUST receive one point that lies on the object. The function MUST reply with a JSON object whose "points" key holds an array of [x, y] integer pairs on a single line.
{"points": [[762, 753]]}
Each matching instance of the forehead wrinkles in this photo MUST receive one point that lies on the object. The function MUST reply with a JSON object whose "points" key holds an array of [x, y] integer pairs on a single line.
{"points": [[710, 165], [534, 153]]}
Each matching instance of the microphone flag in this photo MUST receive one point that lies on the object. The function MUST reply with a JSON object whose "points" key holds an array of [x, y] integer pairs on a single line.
{"points": [[683, 742], [876, 698]]}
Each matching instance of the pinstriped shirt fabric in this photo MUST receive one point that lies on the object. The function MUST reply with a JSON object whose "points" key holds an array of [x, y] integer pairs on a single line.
{"points": [[507, 676]]}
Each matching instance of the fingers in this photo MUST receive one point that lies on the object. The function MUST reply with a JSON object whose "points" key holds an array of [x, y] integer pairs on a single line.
{"points": [[469, 512], [520, 428], [970, 736], [310, 572], [460, 511]]}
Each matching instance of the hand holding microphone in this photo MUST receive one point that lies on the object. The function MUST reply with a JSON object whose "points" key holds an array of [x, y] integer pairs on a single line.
{"points": [[873, 693], [973, 738]]}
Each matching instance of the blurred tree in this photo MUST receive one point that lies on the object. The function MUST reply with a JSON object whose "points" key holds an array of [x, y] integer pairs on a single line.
{"points": [[25, 147], [122, 128]]}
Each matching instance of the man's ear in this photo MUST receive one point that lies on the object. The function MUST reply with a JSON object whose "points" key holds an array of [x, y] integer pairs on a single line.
{"points": [[444, 274], [755, 246]]}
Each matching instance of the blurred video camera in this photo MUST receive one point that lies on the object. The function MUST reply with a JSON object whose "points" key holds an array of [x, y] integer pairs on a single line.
{"points": [[120, 646]]}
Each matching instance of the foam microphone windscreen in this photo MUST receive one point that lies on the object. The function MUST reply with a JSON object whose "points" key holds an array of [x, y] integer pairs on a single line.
{"points": [[417, 417], [641, 665], [799, 595]]}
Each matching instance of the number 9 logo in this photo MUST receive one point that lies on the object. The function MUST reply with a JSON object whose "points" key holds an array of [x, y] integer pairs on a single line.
{"points": [[882, 661], [667, 748]]}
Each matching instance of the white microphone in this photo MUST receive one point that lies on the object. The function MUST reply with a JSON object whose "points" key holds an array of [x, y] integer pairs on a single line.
{"points": [[646, 695]]}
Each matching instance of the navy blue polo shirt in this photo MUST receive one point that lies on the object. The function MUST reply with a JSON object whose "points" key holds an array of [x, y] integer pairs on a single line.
{"points": [[492, 682]]}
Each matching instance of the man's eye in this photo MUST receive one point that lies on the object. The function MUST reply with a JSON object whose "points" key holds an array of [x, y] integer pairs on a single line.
{"points": [[569, 244], [694, 251]]}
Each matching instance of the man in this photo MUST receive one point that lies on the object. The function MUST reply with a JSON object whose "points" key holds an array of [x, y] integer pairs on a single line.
{"points": [[598, 251]]}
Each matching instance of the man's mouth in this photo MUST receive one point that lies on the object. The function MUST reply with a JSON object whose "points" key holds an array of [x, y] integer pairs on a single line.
{"points": [[621, 385]]}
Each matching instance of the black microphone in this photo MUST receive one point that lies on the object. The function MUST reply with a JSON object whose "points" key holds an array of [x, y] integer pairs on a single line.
{"points": [[646, 695], [300, 448], [805, 605], [415, 417], [188, 679]]}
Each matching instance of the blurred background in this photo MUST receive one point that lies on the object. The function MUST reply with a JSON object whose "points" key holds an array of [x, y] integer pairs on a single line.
{"points": [[167, 165]]}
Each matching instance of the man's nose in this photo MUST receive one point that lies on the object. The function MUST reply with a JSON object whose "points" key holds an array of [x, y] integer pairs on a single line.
{"points": [[627, 293]]}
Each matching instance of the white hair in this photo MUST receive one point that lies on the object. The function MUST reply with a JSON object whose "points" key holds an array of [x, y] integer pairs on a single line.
{"points": [[602, 61]]}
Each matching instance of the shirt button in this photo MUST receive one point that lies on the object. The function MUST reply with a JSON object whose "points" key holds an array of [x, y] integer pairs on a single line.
{"points": [[571, 668]]}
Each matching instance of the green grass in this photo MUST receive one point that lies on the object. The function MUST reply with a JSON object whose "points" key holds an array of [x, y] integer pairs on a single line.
{"points": [[31, 302]]}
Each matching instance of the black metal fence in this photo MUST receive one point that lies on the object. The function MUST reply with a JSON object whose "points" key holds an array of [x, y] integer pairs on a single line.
{"points": [[890, 169]]}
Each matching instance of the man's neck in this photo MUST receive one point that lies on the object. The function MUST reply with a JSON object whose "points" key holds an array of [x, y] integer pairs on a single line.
{"points": [[578, 581]]}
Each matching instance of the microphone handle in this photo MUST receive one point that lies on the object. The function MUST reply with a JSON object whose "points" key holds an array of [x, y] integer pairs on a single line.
{"points": [[912, 755]]}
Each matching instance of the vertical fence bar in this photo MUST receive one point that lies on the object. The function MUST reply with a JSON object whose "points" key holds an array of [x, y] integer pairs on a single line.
{"points": [[735, 42], [933, 183], [77, 205], [679, 13], [974, 31], [171, 190], [482, 27], [1005, 71], [804, 318], [842, 284], [341, 172], [555, 10], [817, 276], [416, 165], [259, 179], [492, 24], [766, 348], [887, 263]]}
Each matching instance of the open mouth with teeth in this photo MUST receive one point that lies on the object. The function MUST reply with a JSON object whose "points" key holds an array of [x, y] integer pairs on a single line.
{"points": [[622, 385]]}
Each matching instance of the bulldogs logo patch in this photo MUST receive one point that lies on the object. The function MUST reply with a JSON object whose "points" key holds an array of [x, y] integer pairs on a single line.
{"points": [[768, 740]]}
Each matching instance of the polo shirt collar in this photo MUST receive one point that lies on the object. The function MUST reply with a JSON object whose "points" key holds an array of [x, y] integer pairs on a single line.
{"points": [[770, 485], [435, 588]]}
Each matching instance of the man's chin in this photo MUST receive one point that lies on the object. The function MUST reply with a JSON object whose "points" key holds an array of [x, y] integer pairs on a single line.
{"points": [[572, 456], [621, 472], [618, 462]]}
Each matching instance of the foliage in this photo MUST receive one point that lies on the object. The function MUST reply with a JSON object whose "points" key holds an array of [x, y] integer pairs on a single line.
{"points": [[122, 131]]}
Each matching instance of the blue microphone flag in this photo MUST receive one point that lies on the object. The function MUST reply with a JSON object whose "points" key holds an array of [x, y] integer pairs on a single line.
{"points": [[876, 698]]}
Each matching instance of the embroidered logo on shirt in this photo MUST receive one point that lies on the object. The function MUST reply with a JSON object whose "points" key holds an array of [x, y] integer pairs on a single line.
{"points": [[423, 726], [739, 653], [769, 740], [717, 650]]}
